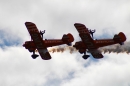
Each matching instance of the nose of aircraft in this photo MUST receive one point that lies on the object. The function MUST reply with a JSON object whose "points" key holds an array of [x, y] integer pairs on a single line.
{"points": [[23, 45]]}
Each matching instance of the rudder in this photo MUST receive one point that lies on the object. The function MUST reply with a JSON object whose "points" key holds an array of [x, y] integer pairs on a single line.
{"points": [[120, 38], [68, 38]]}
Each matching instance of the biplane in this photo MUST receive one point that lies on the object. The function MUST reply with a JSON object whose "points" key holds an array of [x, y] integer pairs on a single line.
{"points": [[88, 44], [37, 42]]}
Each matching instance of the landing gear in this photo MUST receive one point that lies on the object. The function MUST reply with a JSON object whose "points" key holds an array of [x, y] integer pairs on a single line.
{"points": [[34, 56], [85, 56], [69, 44]]}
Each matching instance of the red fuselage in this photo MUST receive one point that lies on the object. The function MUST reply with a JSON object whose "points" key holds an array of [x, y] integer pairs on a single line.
{"points": [[48, 43]]}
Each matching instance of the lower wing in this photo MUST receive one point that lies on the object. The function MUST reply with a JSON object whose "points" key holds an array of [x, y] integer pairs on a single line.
{"points": [[96, 53], [44, 53]]}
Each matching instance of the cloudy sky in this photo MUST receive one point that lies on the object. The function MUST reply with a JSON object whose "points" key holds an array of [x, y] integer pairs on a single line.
{"points": [[57, 17]]}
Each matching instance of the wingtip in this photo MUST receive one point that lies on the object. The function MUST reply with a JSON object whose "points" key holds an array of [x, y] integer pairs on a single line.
{"points": [[46, 56], [28, 23], [78, 24]]}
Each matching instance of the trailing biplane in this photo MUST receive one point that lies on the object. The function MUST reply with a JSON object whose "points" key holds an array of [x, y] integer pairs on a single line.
{"points": [[88, 44], [41, 45]]}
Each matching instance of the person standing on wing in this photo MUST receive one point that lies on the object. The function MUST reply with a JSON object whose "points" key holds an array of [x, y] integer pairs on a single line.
{"points": [[42, 32], [91, 32]]}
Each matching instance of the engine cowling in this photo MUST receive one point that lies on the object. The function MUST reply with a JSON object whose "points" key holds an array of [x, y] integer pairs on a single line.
{"points": [[30, 46], [79, 45], [82, 51]]}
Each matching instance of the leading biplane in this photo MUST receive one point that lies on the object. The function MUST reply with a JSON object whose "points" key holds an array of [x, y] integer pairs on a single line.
{"points": [[88, 44], [41, 45]]}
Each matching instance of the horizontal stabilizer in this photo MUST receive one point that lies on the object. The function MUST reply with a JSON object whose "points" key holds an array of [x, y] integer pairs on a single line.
{"points": [[120, 38], [68, 38]]}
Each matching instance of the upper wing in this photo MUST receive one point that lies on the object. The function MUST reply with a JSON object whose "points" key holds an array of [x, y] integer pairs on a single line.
{"points": [[96, 53], [35, 35], [81, 28], [85, 36]]}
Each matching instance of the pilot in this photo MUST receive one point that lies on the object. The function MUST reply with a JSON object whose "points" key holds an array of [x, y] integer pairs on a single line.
{"points": [[42, 32], [91, 32]]}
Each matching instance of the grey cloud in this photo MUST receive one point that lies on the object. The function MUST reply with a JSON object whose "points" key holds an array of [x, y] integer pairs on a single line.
{"points": [[8, 39]]}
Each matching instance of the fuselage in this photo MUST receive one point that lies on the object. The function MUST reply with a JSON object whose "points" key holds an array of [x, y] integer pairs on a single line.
{"points": [[98, 43], [30, 45]]}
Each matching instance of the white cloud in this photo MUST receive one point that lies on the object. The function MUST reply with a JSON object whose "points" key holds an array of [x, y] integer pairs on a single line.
{"points": [[113, 70], [61, 15], [17, 68]]}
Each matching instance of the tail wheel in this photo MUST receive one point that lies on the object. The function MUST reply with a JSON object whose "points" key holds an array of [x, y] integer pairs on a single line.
{"points": [[34, 56], [69, 44], [85, 56]]}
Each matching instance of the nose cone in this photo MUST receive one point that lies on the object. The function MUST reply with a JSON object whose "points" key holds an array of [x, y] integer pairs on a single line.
{"points": [[23, 45]]}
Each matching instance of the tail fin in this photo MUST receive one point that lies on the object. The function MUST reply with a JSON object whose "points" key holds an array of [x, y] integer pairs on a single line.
{"points": [[120, 38], [68, 38]]}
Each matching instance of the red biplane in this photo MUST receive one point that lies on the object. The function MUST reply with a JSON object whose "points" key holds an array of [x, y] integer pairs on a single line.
{"points": [[41, 45], [88, 44]]}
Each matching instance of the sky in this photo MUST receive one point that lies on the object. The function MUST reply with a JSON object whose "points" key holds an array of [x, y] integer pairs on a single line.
{"points": [[57, 17]]}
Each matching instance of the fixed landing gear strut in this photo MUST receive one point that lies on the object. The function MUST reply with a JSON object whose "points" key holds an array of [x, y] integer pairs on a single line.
{"points": [[85, 56], [34, 56]]}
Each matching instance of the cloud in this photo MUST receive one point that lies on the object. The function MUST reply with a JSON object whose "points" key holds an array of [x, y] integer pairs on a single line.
{"points": [[8, 39], [56, 16], [21, 69], [62, 70], [106, 72]]}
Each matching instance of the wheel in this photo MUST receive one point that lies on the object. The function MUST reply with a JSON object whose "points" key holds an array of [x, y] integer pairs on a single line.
{"points": [[34, 56], [121, 43], [69, 44], [85, 56]]}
